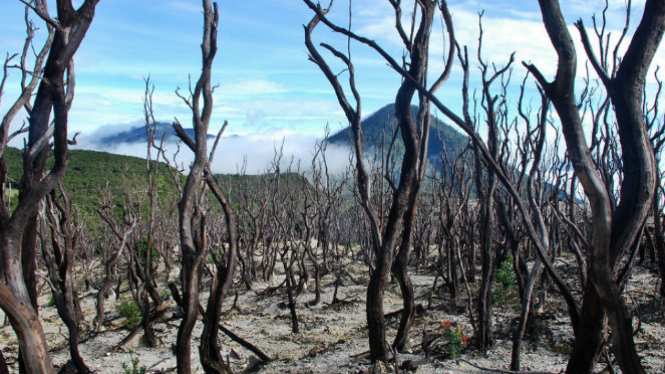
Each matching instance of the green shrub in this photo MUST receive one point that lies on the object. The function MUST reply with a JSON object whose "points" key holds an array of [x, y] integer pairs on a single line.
{"points": [[136, 367], [505, 286], [130, 311]]}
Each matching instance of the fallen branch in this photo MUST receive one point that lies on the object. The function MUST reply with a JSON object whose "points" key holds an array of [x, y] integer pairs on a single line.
{"points": [[348, 300], [419, 310], [360, 355], [244, 343], [265, 358], [393, 314], [412, 365]]}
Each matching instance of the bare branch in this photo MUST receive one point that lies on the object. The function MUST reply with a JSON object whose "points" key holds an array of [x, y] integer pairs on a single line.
{"points": [[604, 77], [42, 12]]}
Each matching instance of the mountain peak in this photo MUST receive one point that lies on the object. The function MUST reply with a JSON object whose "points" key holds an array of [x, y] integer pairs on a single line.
{"points": [[381, 124], [137, 134]]}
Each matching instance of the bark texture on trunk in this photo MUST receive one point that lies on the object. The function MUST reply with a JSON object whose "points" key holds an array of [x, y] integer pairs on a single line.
{"points": [[59, 258], [47, 128], [613, 235], [387, 229]]}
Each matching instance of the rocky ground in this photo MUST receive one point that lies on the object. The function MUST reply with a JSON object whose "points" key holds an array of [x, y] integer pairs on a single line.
{"points": [[333, 337]]}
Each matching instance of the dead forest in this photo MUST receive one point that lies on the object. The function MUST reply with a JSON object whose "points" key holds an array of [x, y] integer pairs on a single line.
{"points": [[551, 217]]}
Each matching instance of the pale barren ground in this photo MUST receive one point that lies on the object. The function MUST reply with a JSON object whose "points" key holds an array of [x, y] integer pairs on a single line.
{"points": [[333, 338]]}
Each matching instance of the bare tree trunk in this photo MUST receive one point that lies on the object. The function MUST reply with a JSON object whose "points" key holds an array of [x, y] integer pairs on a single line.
{"points": [[4, 368], [527, 296], [59, 259], [588, 333], [488, 261], [48, 117], [414, 135], [613, 235], [659, 238], [399, 271], [190, 277], [288, 273], [210, 357], [29, 331], [192, 218]]}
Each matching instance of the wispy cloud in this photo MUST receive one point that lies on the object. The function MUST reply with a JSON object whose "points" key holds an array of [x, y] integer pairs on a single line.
{"points": [[186, 6], [252, 154], [252, 87]]}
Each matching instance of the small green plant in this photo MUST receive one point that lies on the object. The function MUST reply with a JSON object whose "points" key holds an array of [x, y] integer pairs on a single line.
{"points": [[130, 311], [136, 367], [457, 341], [505, 289]]}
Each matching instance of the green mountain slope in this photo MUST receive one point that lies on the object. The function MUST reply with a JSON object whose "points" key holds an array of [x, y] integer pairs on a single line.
{"points": [[89, 171]]}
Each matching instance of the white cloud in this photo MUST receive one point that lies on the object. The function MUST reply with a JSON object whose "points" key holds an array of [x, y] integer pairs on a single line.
{"points": [[185, 6], [251, 87], [254, 152]]}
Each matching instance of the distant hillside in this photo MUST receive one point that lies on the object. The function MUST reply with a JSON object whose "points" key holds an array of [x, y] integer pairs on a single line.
{"points": [[137, 135], [89, 171], [441, 135], [254, 186]]}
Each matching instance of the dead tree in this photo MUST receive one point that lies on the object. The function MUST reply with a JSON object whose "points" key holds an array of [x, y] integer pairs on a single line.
{"points": [[48, 126], [192, 217], [142, 245], [614, 232], [322, 212], [486, 187], [391, 251], [136, 250], [532, 149], [151, 242], [656, 127], [284, 211], [59, 256], [455, 224], [308, 215], [122, 231], [466, 123], [252, 218]]}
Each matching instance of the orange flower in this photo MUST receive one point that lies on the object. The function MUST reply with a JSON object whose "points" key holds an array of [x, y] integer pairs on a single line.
{"points": [[465, 340], [446, 325]]}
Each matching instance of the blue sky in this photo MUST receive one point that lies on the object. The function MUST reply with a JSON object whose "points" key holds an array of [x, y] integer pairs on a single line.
{"points": [[267, 87]]}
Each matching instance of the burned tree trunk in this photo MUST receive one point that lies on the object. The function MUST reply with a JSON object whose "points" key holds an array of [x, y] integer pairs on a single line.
{"points": [[613, 232], [414, 134], [48, 123], [210, 357], [192, 218], [59, 259], [111, 256]]}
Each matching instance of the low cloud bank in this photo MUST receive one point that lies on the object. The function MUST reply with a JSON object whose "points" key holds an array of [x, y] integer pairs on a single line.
{"points": [[251, 153]]}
